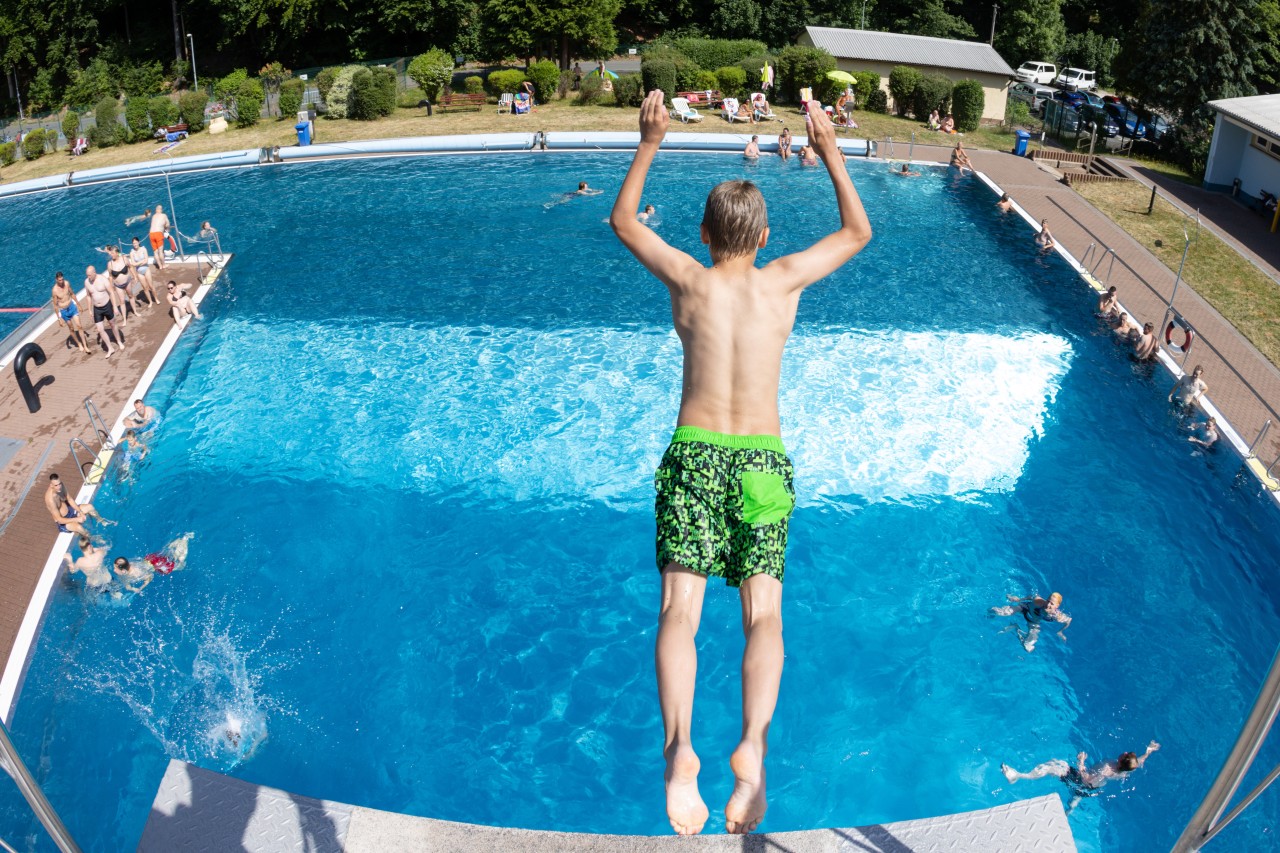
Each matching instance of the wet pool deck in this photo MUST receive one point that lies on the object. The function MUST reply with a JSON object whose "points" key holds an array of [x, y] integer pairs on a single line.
{"points": [[199, 810], [65, 379]]}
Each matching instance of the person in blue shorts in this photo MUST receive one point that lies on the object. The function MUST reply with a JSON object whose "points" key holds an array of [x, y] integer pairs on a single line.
{"points": [[724, 488], [65, 512], [68, 312]]}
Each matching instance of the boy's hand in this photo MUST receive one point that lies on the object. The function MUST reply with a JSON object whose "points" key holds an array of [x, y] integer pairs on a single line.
{"points": [[653, 119], [822, 135]]}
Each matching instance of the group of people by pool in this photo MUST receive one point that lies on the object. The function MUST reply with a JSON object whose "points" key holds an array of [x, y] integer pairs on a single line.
{"points": [[125, 575], [124, 282], [785, 146]]}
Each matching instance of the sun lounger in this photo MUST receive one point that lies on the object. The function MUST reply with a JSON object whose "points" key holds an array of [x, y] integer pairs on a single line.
{"points": [[680, 109], [505, 101], [731, 111], [760, 106]]}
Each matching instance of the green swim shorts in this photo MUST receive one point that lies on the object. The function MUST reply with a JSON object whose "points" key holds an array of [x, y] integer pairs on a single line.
{"points": [[723, 505]]}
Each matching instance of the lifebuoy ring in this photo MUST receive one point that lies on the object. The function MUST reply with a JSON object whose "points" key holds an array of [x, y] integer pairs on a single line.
{"points": [[162, 564], [1189, 332]]}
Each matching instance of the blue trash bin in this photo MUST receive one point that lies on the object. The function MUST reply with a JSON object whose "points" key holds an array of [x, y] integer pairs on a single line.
{"points": [[1020, 147], [304, 133]]}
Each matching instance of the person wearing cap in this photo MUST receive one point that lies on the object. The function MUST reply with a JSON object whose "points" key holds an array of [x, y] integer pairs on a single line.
{"points": [[1036, 611]]}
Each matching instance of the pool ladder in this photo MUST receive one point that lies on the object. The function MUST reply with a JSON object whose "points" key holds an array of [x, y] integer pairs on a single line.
{"points": [[12, 764], [93, 468]]}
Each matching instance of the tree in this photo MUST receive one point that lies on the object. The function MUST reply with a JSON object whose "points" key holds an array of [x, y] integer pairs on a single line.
{"points": [[1266, 65], [1030, 30], [1093, 51], [736, 19], [559, 28], [931, 18]]}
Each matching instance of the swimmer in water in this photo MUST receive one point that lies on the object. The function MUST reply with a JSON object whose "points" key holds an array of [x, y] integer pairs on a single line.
{"points": [[752, 151], [142, 414], [582, 190], [133, 577], [89, 564], [1036, 611], [1044, 239], [1083, 781], [905, 172], [133, 220], [1108, 304], [646, 214], [1208, 436], [1005, 203], [1190, 388]]}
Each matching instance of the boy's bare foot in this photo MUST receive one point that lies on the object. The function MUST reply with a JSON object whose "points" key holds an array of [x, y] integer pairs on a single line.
{"points": [[110, 352], [685, 808], [747, 805]]}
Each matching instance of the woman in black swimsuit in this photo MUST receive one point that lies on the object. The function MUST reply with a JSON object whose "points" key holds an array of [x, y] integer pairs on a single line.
{"points": [[120, 273]]}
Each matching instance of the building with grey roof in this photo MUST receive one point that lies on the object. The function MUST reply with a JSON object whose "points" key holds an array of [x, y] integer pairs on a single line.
{"points": [[1246, 145], [865, 50]]}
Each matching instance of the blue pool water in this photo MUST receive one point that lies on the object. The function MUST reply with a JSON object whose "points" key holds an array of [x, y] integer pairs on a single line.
{"points": [[414, 443]]}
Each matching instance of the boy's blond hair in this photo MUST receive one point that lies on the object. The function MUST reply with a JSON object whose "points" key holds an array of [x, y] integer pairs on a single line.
{"points": [[735, 217]]}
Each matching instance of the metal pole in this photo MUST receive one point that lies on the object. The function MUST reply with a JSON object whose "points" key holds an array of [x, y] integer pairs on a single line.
{"points": [[911, 149], [1266, 426], [864, 14], [994, 9], [1168, 309], [1152, 204], [35, 798], [1252, 735], [195, 78]]}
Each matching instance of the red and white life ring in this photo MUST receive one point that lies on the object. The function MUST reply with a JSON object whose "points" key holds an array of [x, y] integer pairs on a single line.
{"points": [[1190, 334]]}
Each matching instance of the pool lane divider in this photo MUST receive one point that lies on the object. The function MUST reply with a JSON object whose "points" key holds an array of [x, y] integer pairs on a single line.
{"points": [[1270, 485], [15, 670]]}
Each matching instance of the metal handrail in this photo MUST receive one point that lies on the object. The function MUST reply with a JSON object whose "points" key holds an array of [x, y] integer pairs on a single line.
{"points": [[80, 466], [12, 764], [96, 422]]}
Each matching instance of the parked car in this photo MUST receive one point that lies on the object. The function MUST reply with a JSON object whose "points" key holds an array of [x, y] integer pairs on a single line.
{"points": [[1097, 117], [1157, 127], [1074, 79], [1075, 100], [1092, 100], [1031, 94], [1036, 72], [1130, 124]]}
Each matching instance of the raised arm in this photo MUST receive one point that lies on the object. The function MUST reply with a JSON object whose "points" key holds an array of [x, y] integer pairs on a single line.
{"points": [[1151, 747], [652, 251], [833, 251]]}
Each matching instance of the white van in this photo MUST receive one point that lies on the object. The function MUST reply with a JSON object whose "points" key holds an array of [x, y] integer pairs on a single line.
{"points": [[1075, 79], [1036, 72]]}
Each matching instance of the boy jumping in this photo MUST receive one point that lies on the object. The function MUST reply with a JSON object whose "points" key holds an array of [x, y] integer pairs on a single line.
{"points": [[725, 484]]}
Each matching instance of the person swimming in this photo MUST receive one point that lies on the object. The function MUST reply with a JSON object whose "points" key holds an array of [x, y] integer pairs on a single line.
{"points": [[582, 190], [1036, 611], [905, 172], [89, 563], [1083, 781], [1005, 203]]}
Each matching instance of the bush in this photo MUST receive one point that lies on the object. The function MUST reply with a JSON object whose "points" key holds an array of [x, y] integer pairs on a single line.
{"points": [[628, 90], [249, 99], [385, 77], [967, 103], [339, 97], [932, 92], [107, 117], [92, 84], [751, 67], [291, 98], [1016, 113], [432, 71], [654, 74], [324, 82], [163, 111], [731, 81], [865, 82], [505, 82], [591, 92], [473, 85], [225, 89], [685, 70], [566, 84], [33, 144], [71, 125], [545, 77], [706, 80], [878, 102], [135, 115], [903, 80], [191, 109], [8, 153], [800, 66], [717, 53], [363, 103], [142, 80]]}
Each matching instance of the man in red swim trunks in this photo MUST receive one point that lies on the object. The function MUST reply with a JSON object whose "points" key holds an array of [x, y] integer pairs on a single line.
{"points": [[159, 226]]}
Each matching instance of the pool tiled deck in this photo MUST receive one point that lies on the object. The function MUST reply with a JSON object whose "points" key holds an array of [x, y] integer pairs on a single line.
{"points": [[198, 811], [65, 379]]}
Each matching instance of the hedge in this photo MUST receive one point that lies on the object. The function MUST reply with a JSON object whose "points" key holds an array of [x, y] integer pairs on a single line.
{"points": [[291, 98], [628, 90], [732, 81], [506, 82], [590, 92], [878, 102], [163, 111], [324, 82], [865, 82], [385, 78], [545, 76], [967, 103], [432, 71], [682, 77], [800, 66], [106, 115], [902, 85], [657, 74], [135, 115], [339, 95], [226, 88], [249, 99], [751, 67], [8, 153], [191, 107], [473, 85], [363, 103], [33, 144], [932, 92], [717, 53]]}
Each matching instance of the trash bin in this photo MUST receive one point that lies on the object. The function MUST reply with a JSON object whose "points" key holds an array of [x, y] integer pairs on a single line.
{"points": [[1020, 147], [304, 133]]}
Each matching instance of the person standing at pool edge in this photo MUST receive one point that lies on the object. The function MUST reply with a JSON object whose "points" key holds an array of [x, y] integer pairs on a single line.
{"points": [[724, 489]]}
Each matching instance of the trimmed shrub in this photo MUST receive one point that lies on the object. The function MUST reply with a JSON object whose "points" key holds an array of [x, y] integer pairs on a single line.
{"points": [[967, 102], [363, 103], [545, 76], [865, 82], [878, 101], [707, 80], [590, 92], [135, 115], [385, 78], [505, 82], [163, 111], [249, 99], [717, 53], [8, 153], [732, 82], [71, 125], [339, 96], [324, 82], [473, 85], [933, 92], [685, 69], [191, 109], [655, 74], [903, 80], [107, 131], [33, 144], [800, 66], [628, 90], [432, 71], [225, 89], [291, 98]]}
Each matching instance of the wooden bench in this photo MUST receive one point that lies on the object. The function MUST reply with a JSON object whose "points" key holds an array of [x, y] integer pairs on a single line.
{"points": [[462, 101], [701, 98]]}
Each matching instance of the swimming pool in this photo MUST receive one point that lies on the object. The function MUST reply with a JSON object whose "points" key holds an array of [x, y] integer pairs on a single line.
{"points": [[415, 444]]}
